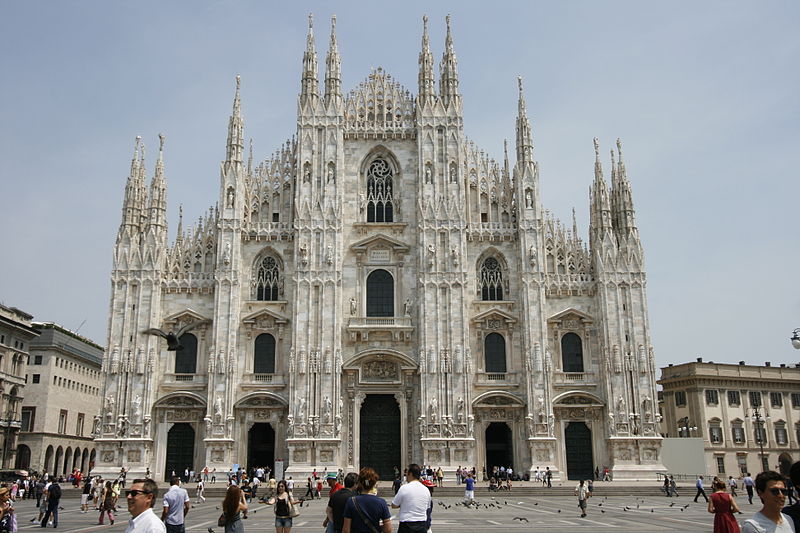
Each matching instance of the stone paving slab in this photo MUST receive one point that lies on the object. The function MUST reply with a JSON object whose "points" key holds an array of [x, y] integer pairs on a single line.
{"points": [[542, 513]]}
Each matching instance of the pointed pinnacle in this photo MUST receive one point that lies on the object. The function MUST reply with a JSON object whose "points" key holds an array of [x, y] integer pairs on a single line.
{"points": [[597, 149], [449, 39]]}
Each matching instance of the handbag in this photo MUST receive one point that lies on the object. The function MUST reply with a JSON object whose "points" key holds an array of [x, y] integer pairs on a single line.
{"points": [[221, 520], [372, 528], [294, 512]]}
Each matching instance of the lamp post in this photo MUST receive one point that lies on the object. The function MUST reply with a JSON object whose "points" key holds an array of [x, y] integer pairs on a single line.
{"points": [[759, 420], [685, 428], [796, 339]]}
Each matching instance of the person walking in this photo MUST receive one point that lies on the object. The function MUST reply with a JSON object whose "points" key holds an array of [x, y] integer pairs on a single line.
{"points": [[284, 506], [366, 512], [334, 519], [413, 500], [749, 484], [583, 494], [8, 520], [699, 485], [107, 504], [722, 505], [176, 506], [673, 486], [309, 489], [85, 495], [549, 477], [771, 489], [201, 488], [666, 486], [53, 497], [141, 498], [733, 485], [469, 488], [793, 510], [233, 508]]}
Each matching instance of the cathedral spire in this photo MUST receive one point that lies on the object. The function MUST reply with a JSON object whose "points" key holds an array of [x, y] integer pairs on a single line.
{"points": [[333, 69], [141, 189], [506, 172], [624, 213], [158, 191], [130, 204], [448, 70], [309, 90], [427, 89], [524, 135], [235, 148], [179, 233], [250, 159]]}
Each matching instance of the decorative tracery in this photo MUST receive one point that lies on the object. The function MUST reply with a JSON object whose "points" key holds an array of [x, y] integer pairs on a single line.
{"points": [[490, 280], [380, 204], [267, 281]]}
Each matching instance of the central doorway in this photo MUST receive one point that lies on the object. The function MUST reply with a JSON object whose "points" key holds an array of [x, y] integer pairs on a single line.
{"points": [[499, 447], [261, 446], [379, 446], [578, 443], [180, 450]]}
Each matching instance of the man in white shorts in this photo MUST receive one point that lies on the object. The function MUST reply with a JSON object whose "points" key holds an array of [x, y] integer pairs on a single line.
{"points": [[469, 492]]}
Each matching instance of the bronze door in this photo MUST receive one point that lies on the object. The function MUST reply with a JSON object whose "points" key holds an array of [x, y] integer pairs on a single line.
{"points": [[180, 450], [380, 434], [578, 441]]}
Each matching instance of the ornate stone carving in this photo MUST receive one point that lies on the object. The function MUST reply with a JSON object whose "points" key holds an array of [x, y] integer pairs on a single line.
{"points": [[380, 371]]}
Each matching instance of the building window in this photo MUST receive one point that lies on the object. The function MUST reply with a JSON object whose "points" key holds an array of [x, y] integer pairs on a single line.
{"points": [[79, 425], [186, 359], [494, 348], [380, 294], [781, 435], [797, 431], [737, 431], [734, 398], [36, 378], [264, 354], [715, 432], [490, 282], [765, 462], [62, 422], [760, 434], [380, 207], [680, 398], [27, 419], [796, 399], [712, 397], [776, 399], [267, 280], [571, 353], [741, 460], [720, 464], [755, 399]]}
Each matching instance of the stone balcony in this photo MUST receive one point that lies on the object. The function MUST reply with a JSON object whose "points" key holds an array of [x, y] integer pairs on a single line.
{"points": [[174, 381], [497, 380], [398, 327], [262, 381], [571, 379]]}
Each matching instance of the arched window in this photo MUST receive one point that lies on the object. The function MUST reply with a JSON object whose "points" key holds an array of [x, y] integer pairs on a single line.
{"points": [[264, 354], [380, 206], [380, 294], [23, 457], [491, 280], [267, 279], [186, 359], [571, 353], [494, 352]]}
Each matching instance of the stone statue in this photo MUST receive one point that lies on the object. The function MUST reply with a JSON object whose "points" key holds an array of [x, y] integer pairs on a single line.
{"points": [[422, 426], [226, 256], [551, 425], [301, 410], [136, 408], [331, 174], [352, 306], [460, 410], [122, 427], [470, 426], [529, 421], [96, 426], [528, 199], [432, 408], [109, 408], [218, 407], [290, 426], [329, 255], [407, 307], [447, 429], [532, 255], [612, 427], [209, 425], [454, 256], [146, 426], [327, 410], [428, 176], [621, 407], [231, 197]]}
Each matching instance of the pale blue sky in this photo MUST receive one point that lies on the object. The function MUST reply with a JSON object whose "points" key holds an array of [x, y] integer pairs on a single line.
{"points": [[703, 94]]}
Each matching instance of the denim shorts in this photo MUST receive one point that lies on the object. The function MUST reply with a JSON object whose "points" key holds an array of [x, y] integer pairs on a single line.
{"points": [[283, 522]]}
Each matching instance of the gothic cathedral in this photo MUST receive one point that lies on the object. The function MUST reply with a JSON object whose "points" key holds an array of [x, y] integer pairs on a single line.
{"points": [[376, 293]]}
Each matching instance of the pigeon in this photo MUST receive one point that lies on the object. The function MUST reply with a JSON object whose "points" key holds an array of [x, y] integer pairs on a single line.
{"points": [[210, 530], [673, 503], [173, 337], [521, 519], [652, 510], [686, 506], [534, 503], [559, 510], [217, 507], [603, 511]]}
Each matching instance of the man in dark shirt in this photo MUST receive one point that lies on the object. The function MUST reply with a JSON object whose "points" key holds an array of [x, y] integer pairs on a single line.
{"points": [[794, 510], [337, 502]]}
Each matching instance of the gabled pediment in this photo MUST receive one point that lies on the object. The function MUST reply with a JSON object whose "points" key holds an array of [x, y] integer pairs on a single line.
{"points": [[186, 315], [265, 315], [571, 314], [494, 314], [379, 241]]}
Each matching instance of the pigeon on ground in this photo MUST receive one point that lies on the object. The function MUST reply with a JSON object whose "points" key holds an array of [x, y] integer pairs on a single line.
{"points": [[210, 530], [173, 337], [559, 510], [673, 503], [521, 518], [603, 511], [686, 506]]}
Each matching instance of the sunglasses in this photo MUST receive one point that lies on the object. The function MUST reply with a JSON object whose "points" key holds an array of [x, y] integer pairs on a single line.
{"points": [[776, 491], [135, 493]]}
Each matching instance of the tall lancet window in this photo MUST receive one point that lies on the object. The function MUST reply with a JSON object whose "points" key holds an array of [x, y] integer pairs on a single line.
{"points": [[267, 279], [491, 280], [380, 206]]}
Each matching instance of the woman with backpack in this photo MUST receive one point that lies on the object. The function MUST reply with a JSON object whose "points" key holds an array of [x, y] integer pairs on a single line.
{"points": [[366, 512]]}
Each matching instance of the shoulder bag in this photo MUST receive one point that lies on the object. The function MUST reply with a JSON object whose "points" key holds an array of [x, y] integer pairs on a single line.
{"points": [[364, 518]]}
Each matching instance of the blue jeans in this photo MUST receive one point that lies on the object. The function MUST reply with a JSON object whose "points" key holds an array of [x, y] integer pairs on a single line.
{"points": [[51, 509], [283, 522]]}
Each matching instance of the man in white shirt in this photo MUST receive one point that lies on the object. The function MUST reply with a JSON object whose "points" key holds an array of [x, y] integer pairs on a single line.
{"points": [[141, 497], [583, 494], [176, 506], [413, 500]]}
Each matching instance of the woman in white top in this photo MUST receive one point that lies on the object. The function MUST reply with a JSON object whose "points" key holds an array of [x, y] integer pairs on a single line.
{"points": [[771, 488]]}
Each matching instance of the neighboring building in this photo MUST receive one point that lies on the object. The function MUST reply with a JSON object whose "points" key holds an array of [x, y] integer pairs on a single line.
{"points": [[380, 292], [63, 397], [716, 402], [16, 334]]}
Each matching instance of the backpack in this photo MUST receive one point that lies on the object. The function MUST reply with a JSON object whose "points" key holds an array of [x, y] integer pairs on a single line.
{"points": [[54, 492]]}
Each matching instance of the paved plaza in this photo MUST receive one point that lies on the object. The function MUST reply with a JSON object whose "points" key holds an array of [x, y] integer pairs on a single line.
{"points": [[649, 513]]}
